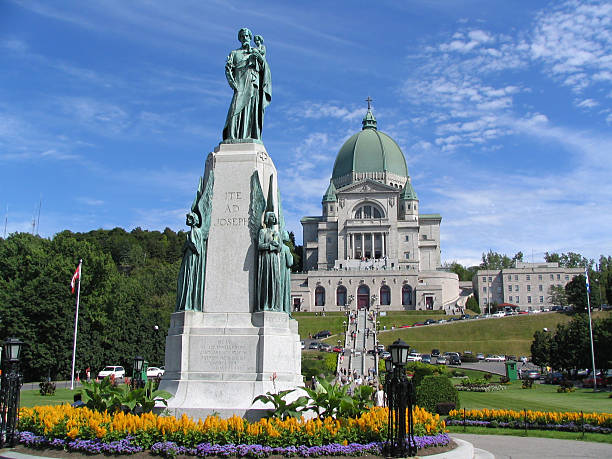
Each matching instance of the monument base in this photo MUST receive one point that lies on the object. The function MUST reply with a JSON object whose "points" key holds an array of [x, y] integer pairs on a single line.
{"points": [[217, 363]]}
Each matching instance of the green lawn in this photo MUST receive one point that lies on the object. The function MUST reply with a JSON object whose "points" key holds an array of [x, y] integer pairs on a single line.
{"points": [[543, 397], [308, 323], [507, 335], [30, 398]]}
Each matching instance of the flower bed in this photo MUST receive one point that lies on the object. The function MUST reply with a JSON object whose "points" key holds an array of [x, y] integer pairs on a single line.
{"points": [[81, 429], [172, 449], [543, 420]]}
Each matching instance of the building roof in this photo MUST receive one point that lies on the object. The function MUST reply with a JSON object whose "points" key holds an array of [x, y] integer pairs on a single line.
{"points": [[330, 194], [408, 193], [370, 151]]}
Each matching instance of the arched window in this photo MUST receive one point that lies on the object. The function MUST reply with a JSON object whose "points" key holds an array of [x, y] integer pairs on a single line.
{"points": [[385, 295], [341, 295], [406, 295], [319, 296], [368, 211]]}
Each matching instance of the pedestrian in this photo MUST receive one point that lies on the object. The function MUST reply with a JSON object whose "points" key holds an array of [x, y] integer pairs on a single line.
{"points": [[88, 374], [379, 397]]}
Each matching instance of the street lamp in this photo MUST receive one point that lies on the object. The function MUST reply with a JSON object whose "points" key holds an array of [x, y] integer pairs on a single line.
{"points": [[9, 393], [137, 380], [400, 394]]}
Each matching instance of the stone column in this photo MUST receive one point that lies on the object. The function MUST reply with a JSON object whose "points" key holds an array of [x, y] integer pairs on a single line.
{"points": [[373, 251], [362, 246]]}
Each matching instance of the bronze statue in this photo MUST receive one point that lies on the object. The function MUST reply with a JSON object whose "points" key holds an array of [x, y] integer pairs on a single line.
{"points": [[190, 286], [269, 280], [286, 262], [248, 74]]}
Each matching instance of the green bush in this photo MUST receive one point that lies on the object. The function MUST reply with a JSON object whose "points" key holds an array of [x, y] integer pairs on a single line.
{"points": [[434, 390], [47, 388], [419, 370]]}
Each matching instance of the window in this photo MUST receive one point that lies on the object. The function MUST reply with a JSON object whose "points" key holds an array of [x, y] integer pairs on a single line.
{"points": [[424, 237], [484, 289], [552, 277], [516, 288], [540, 288], [407, 255], [509, 277], [484, 279], [368, 211], [406, 295], [566, 277], [490, 279], [518, 300], [528, 299], [509, 288], [529, 288], [510, 298], [407, 238], [539, 277], [319, 296], [541, 299], [499, 289], [341, 296], [558, 276], [528, 277], [385, 295], [516, 277]]}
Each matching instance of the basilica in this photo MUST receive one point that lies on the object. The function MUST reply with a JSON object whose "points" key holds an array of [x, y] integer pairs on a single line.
{"points": [[371, 247]]}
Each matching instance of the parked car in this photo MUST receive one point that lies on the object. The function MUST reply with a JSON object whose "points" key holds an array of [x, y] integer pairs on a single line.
{"points": [[371, 352], [480, 356], [418, 324], [155, 372], [338, 349], [314, 345], [602, 380], [380, 347], [441, 360], [405, 326], [531, 374], [494, 358], [554, 377], [523, 359], [116, 371], [442, 321], [322, 334], [454, 359], [429, 322], [302, 344], [426, 358], [435, 352], [511, 357], [325, 347], [414, 357], [385, 355]]}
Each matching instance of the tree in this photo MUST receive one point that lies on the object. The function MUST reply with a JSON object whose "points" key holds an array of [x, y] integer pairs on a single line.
{"points": [[472, 303], [568, 260], [464, 274], [494, 260], [540, 348], [576, 293], [557, 295]]}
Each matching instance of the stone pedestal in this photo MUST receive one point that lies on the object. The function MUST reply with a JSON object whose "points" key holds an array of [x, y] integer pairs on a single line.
{"points": [[219, 360]]}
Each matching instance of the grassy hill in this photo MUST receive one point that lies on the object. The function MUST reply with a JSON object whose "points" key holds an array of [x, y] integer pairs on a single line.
{"points": [[506, 335]]}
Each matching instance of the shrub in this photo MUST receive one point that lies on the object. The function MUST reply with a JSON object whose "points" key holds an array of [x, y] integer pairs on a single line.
{"points": [[504, 380], [47, 388], [565, 387], [445, 408], [458, 373], [419, 370], [469, 358], [434, 390], [487, 376], [527, 383]]}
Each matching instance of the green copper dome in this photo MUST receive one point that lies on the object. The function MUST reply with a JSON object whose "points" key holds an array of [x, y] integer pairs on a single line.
{"points": [[370, 151]]}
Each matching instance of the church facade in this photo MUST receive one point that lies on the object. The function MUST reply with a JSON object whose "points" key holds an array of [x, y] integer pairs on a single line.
{"points": [[371, 247]]}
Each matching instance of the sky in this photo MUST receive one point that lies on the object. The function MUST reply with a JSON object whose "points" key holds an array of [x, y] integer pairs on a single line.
{"points": [[503, 110]]}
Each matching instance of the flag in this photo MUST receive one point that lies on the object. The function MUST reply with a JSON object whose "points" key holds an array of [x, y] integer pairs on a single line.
{"points": [[586, 277], [75, 276]]}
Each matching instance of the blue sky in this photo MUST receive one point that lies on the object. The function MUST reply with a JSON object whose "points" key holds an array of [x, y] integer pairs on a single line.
{"points": [[503, 111]]}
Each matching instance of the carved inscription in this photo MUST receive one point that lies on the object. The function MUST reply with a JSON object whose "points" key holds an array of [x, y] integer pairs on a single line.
{"points": [[225, 355], [234, 202]]}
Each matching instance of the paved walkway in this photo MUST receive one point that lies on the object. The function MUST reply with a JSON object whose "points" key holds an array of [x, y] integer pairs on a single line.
{"points": [[507, 447]]}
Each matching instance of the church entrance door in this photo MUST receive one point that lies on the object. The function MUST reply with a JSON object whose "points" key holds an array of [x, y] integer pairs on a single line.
{"points": [[363, 297]]}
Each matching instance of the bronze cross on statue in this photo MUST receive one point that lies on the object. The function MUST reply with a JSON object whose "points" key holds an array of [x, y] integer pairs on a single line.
{"points": [[368, 100]]}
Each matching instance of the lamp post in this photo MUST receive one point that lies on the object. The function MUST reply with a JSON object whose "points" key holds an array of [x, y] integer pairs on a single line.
{"points": [[400, 396], [137, 380], [9, 394]]}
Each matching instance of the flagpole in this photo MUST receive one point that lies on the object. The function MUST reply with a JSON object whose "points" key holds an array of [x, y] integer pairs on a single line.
{"points": [[588, 289], [76, 324]]}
